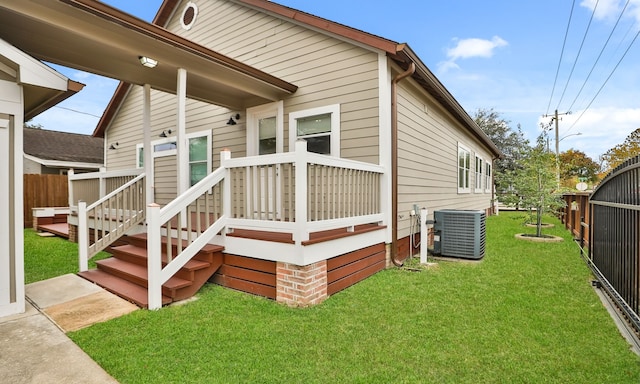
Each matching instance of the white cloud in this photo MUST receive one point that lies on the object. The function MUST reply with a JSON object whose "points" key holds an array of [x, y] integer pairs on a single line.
{"points": [[600, 129], [610, 9], [468, 48]]}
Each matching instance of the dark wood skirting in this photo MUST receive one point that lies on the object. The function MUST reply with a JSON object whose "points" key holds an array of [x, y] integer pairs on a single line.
{"points": [[345, 270], [258, 277], [247, 274]]}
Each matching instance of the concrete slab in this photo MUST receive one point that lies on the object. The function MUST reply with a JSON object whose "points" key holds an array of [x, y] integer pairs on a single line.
{"points": [[59, 290], [34, 350], [88, 310]]}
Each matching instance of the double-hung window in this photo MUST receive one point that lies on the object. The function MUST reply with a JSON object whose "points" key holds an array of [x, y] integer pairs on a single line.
{"points": [[320, 127], [464, 169], [199, 156], [487, 174], [199, 153], [479, 171]]}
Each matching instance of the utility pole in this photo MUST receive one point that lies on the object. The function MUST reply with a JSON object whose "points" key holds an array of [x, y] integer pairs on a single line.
{"points": [[555, 118]]}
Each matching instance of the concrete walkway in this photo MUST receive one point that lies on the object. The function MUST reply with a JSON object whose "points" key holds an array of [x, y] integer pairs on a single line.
{"points": [[34, 347]]}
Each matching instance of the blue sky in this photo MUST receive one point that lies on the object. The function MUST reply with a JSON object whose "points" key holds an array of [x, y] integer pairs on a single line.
{"points": [[498, 54]]}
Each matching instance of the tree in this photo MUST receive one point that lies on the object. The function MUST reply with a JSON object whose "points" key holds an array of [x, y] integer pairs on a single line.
{"points": [[29, 124], [575, 164], [535, 183], [621, 152], [512, 144]]}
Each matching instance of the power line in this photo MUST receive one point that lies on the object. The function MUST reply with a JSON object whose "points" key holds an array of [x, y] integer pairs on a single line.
{"points": [[584, 37], [564, 43], [606, 80], [599, 55], [76, 111]]}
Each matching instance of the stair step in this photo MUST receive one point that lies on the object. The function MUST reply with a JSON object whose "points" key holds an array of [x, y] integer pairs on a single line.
{"points": [[139, 256], [141, 241], [137, 273], [123, 288]]}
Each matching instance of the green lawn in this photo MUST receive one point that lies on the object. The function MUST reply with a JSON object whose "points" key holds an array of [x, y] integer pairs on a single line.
{"points": [[47, 257], [525, 314]]}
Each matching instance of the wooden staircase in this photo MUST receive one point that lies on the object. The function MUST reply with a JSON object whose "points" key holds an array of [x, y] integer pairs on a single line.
{"points": [[125, 274]]}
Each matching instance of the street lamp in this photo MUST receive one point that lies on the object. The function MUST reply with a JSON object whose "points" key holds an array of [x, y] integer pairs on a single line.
{"points": [[573, 134]]}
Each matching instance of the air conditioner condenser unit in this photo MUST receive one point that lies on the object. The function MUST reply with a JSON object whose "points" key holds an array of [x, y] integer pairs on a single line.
{"points": [[459, 233]]}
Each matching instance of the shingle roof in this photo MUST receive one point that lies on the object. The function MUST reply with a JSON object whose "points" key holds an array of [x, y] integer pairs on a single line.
{"points": [[63, 146]]}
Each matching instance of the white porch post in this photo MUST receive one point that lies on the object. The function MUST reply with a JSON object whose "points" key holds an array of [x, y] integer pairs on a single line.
{"points": [[301, 233], [154, 251], [424, 236], [83, 237], [70, 187], [102, 183], [225, 154], [147, 150], [384, 132], [182, 141]]}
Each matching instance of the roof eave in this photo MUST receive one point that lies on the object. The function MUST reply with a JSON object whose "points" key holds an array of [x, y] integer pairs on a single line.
{"points": [[407, 55], [57, 97]]}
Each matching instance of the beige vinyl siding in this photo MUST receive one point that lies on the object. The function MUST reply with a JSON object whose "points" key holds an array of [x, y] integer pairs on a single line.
{"points": [[166, 183], [428, 140], [126, 128], [31, 167], [327, 70]]}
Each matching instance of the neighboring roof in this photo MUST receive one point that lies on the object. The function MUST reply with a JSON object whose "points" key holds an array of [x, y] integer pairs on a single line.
{"points": [[63, 146], [95, 37], [42, 86]]}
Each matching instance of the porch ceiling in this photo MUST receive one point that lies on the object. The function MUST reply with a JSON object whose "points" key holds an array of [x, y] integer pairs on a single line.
{"points": [[96, 38]]}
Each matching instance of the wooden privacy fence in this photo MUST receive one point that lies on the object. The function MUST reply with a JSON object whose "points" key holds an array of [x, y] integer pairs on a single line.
{"points": [[576, 216], [43, 191]]}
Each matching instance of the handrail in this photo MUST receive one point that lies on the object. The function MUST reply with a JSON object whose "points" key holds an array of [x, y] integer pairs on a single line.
{"points": [[182, 223], [113, 216], [106, 174], [317, 188]]}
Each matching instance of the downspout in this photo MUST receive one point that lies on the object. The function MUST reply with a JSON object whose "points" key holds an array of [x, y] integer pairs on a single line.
{"points": [[394, 161]]}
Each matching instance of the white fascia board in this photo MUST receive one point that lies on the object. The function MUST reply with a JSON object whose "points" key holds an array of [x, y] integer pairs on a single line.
{"points": [[33, 71], [63, 164]]}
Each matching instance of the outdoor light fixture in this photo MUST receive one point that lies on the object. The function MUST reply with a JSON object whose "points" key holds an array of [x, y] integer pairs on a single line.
{"points": [[165, 133], [114, 145], [233, 122], [147, 61]]}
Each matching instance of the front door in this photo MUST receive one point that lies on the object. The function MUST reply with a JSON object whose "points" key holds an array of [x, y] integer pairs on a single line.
{"points": [[265, 130]]}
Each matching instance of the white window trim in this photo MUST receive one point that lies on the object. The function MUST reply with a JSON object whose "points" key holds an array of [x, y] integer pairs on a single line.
{"points": [[468, 188], [164, 140], [173, 152], [139, 146], [334, 110], [479, 175], [206, 134], [254, 114], [488, 183]]}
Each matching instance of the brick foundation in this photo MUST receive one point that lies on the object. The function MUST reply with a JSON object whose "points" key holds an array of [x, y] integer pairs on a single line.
{"points": [[73, 233], [301, 286]]}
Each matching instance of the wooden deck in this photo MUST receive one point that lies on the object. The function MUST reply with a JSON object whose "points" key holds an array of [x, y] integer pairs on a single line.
{"points": [[58, 229], [314, 238]]}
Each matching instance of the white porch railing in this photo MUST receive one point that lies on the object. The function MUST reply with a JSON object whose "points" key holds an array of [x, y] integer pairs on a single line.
{"points": [[296, 192], [334, 193], [91, 187], [111, 216]]}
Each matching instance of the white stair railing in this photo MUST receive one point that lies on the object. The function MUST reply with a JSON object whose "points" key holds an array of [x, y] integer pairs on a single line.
{"points": [[111, 217], [189, 223]]}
